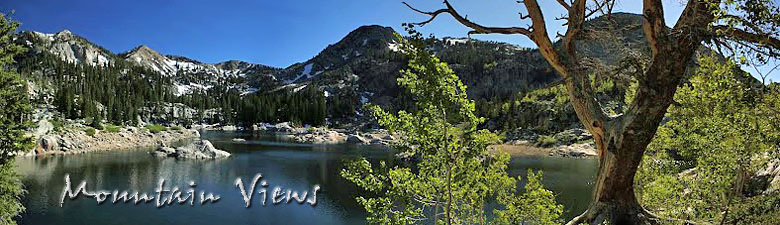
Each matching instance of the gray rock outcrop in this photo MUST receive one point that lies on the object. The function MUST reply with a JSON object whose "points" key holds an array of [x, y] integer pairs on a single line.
{"points": [[576, 150], [572, 136], [47, 144], [198, 149], [771, 176], [356, 139]]}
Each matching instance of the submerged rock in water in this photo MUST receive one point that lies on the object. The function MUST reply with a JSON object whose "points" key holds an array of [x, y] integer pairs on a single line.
{"points": [[198, 149]]}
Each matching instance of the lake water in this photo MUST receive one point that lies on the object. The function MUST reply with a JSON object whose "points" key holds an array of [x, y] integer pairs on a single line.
{"points": [[297, 167]]}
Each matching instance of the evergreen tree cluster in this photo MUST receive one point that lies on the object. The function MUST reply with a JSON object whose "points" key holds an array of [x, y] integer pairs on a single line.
{"points": [[121, 92], [306, 106], [114, 93]]}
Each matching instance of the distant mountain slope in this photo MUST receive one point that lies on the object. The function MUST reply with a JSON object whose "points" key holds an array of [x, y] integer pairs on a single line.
{"points": [[364, 65], [361, 67], [191, 75], [68, 46], [188, 75]]}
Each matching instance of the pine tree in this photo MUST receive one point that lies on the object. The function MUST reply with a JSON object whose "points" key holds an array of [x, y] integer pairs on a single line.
{"points": [[455, 174], [14, 116]]}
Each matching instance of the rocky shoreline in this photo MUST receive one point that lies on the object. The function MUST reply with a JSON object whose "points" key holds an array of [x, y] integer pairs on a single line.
{"points": [[75, 139], [315, 135], [572, 143]]}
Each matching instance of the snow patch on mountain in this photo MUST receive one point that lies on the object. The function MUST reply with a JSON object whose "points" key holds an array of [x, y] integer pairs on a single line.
{"points": [[249, 91], [306, 72], [183, 89], [299, 88]]}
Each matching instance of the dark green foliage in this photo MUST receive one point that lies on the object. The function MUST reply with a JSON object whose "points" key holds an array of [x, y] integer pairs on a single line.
{"points": [[306, 106], [702, 163], [156, 128], [547, 110], [110, 128], [15, 113], [118, 92], [546, 141], [454, 173], [121, 89], [90, 131], [10, 191]]}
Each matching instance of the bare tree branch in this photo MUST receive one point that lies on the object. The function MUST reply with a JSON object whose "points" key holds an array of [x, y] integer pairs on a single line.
{"points": [[564, 4], [742, 35], [478, 29], [598, 8]]}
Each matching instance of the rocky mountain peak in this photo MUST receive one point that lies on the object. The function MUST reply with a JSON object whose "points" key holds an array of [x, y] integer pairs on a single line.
{"points": [[64, 34], [233, 65], [67, 46], [143, 50], [145, 56], [372, 32], [370, 36], [359, 45]]}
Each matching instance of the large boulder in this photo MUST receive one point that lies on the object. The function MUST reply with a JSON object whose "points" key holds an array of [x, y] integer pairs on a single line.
{"points": [[521, 135], [770, 175], [356, 139], [47, 144], [572, 136], [164, 151], [319, 136], [65, 144], [282, 127], [576, 150], [139, 122], [198, 149]]}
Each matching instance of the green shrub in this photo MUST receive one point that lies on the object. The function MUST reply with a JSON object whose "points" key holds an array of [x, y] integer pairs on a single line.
{"points": [[90, 131], [546, 141], [57, 124], [176, 128], [97, 125], [156, 128], [110, 128]]}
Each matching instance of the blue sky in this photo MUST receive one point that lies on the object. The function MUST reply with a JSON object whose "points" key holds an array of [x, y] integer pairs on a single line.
{"points": [[276, 33]]}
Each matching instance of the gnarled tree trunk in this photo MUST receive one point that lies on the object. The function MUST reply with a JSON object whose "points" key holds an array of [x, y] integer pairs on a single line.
{"points": [[621, 140]]}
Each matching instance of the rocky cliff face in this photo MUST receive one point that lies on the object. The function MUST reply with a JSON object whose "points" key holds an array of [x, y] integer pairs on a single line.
{"points": [[68, 46]]}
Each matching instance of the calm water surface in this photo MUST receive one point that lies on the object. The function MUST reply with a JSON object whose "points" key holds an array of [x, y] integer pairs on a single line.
{"points": [[291, 166]]}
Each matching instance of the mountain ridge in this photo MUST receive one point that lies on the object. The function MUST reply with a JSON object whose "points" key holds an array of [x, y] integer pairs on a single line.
{"points": [[359, 68]]}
